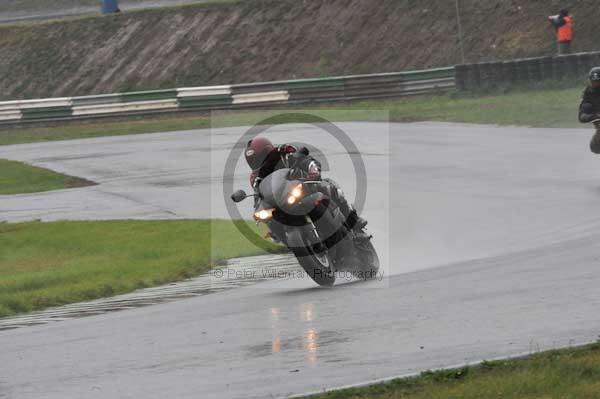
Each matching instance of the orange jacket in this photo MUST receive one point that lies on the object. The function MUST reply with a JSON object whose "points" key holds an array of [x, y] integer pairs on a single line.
{"points": [[565, 32]]}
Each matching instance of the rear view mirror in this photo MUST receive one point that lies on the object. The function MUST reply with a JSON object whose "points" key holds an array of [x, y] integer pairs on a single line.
{"points": [[239, 196]]}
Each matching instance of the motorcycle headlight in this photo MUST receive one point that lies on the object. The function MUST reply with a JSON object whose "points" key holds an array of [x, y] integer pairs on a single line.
{"points": [[295, 194], [264, 214], [297, 191]]}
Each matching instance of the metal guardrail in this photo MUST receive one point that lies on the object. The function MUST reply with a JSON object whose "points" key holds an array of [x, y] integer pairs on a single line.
{"points": [[228, 97]]}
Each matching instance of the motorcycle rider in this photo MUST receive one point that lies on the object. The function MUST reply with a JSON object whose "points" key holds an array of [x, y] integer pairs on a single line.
{"points": [[264, 158], [589, 109]]}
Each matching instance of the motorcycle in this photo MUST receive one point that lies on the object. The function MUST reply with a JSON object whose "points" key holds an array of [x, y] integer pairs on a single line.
{"points": [[312, 226]]}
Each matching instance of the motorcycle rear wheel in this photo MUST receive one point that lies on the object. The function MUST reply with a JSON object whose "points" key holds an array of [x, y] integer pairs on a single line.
{"points": [[368, 258]]}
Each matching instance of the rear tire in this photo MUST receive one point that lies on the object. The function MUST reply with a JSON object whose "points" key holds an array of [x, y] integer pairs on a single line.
{"points": [[368, 259]]}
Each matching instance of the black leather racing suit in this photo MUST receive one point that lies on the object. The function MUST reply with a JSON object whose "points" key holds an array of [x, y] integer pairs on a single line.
{"points": [[589, 110]]}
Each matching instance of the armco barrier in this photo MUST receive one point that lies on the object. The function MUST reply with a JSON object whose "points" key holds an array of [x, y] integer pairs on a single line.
{"points": [[229, 96], [463, 77], [204, 97]]}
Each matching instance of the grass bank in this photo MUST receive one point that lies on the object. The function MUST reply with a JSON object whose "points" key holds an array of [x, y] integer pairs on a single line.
{"points": [[50, 264], [564, 374], [217, 43], [20, 178], [539, 107]]}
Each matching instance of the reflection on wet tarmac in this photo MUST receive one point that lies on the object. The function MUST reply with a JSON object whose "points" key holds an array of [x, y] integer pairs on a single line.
{"points": [[306, 312], [276, 347], [276, 344], [275, 312], [310, 345]]}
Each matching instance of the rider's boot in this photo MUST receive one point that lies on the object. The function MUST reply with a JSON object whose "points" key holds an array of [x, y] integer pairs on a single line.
{"points": [[355, 222]]}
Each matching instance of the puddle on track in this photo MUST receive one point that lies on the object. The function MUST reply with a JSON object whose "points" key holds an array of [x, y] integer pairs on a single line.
{"points": [[208, 283]]}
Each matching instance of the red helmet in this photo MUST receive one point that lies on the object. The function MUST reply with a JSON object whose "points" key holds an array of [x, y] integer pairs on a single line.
{"points": [[257, 151]]}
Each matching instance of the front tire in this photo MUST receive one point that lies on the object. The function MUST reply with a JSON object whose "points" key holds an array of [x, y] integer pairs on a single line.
{"points": [[317, 263]]}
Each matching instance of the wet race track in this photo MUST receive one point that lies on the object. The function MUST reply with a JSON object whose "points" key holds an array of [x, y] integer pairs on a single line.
{"points": [[489, 239]]}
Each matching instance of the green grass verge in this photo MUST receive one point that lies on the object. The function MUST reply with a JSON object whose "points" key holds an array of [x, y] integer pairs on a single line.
{"points": [[540, 107], [20, 178], [564, 374], [50, 264]]}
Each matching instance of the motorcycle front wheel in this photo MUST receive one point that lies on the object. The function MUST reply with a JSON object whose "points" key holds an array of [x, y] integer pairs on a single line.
{"points": [[317, 263]]}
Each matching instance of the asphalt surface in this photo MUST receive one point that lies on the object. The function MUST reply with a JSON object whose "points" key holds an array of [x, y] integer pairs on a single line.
{"points": [[490, 239]]}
